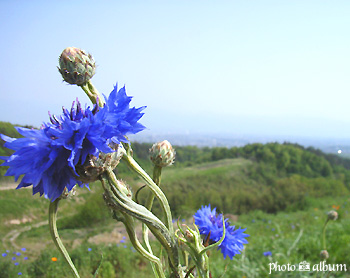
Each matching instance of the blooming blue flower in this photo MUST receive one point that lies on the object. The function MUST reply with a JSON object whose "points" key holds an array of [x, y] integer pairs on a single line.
{"points": [[4, 254], [48, 157], [268, 253], [16, 263], [89, 249], [23, 249], [211, 225]]}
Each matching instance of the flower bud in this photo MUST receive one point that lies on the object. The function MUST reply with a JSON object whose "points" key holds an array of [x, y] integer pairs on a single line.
{"points": [[162, 154], [332, 215], [68, 194], [324, 255], [93, 167], [76, 66]]}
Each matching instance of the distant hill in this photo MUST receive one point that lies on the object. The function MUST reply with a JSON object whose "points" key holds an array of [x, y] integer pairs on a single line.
{"points": [[269, 177], [8, 129]]}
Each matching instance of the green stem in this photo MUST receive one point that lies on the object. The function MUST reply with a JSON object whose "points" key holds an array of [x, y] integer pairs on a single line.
{"points": [[56, 238], [157, 171], [85, 88], [120, 202], [155, 190], [149, 203], [92, 93], [156, 263], [324, 234]]}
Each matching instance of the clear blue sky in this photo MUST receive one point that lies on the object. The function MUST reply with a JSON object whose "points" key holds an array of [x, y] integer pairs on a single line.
{"points": [[252, 67]]}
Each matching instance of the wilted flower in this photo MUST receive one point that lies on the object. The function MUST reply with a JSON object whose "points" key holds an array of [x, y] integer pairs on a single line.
{"points": [[48, 158], [211, 225]]}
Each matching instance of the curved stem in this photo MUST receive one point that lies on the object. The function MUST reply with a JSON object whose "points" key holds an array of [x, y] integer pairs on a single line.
{"points": [[119, 201], [155, 189], [92, 93], [85, 88], [135, 242], [149, 203], [157, 171], [56, 238]]}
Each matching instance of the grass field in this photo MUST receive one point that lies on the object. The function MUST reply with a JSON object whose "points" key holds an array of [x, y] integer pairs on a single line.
{"points": [[88, 231], [291, 237]]}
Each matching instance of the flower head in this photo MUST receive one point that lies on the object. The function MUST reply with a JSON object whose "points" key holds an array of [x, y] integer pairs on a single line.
{"points": [[267, 253], [76, 66], [332, 215], [324, 255], [48, 158], [211, 225], [162, 154]]}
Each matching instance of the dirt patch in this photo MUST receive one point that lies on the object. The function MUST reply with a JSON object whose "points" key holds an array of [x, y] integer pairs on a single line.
{"points": [[25, 219]]}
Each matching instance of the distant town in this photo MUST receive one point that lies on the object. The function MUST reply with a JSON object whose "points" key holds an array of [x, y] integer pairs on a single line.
{"points": [[339, 146]]}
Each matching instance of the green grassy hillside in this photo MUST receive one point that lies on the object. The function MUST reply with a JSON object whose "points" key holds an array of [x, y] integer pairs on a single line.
{"points": [[279, 192]]}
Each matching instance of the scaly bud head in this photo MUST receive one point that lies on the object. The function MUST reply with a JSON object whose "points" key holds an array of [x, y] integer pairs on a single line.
{"points": [[332, 215], [68, 194], [94, 167], [76, 66], [324, 255], [162, 154]]}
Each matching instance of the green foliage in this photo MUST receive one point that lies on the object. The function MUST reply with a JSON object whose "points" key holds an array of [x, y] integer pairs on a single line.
{"points": [[94, 210], [269, 177], [292, 237]]}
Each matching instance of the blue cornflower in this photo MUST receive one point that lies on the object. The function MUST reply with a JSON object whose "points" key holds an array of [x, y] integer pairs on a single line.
{"points": [[48, 157], [211, 225], [4, 254], [267, 253]]}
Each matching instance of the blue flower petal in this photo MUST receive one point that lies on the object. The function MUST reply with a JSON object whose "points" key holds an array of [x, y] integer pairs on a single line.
{"points": [[47, 157], [210, 224]]}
